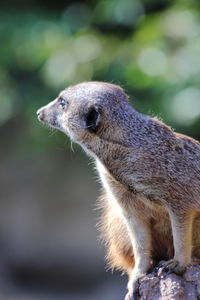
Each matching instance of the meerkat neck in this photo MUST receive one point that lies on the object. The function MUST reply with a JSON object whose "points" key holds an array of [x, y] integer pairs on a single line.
{"points": [[133, 134], [130, 126]]}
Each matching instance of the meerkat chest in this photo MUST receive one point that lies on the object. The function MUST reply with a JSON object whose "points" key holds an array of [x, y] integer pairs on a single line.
{"points": [[119, 196], [114, 191], [122, 199]]}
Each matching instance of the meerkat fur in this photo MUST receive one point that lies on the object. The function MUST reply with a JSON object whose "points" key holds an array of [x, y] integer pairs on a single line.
{"points": [[149, 173]]}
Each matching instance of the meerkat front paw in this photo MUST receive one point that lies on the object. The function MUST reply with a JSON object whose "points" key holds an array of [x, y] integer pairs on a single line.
{"points": [[131, 297], [172, 265], [133, 286]]}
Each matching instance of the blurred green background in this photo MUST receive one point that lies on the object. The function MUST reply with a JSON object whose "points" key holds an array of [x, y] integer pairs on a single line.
{"points": [[48, 243]]}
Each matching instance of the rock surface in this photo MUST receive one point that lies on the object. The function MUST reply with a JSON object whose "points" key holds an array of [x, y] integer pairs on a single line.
{"points": [[161, 285]]}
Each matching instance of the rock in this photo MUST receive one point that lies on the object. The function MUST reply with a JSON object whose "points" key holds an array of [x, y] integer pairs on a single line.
{"points": [[192, 273], [164, 286]]}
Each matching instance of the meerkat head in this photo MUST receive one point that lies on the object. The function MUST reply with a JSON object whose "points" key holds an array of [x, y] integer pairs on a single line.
{"points": [[85, 110]]}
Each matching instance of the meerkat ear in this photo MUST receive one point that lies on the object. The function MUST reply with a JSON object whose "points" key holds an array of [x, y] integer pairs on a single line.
{"points": [[92, 119]]}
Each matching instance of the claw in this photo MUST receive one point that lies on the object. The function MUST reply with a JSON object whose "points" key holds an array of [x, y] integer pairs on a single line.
{"points": [[171, 265], [169, 272]]}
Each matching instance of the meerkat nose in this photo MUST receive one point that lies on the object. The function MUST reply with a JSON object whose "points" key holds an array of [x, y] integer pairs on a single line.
{"points": [[40, 114]]}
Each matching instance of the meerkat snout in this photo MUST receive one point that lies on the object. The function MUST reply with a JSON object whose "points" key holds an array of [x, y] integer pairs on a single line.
{"points": [[40, 114]]}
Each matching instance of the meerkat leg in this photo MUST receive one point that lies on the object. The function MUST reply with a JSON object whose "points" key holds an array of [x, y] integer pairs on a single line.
{"points": [[141, 243], [182, 238]]}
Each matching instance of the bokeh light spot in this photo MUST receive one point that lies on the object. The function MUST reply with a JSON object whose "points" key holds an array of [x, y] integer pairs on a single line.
{"points": [[87, 48], [60, 68], [152, 61], [180, 24], [127, 12], [77, 16], [186, 106]]}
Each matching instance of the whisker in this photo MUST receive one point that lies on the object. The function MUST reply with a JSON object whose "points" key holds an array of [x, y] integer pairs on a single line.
{"points": [[78, 125], [71, 144], [52, 132]]}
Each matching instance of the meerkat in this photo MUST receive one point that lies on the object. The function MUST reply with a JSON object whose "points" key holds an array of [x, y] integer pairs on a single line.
{"points": [[150, 177]]}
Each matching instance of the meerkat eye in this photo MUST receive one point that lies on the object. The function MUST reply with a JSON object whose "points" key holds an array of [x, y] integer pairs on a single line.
{"points": [[62, 103], [93, 119]]}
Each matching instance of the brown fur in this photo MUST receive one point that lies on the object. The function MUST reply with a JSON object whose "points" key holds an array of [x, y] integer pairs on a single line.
{"points": [[115, 235], [151, 178]]}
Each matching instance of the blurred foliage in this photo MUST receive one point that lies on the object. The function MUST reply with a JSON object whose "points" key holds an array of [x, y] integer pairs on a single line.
{"points": [[150, 48]]}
